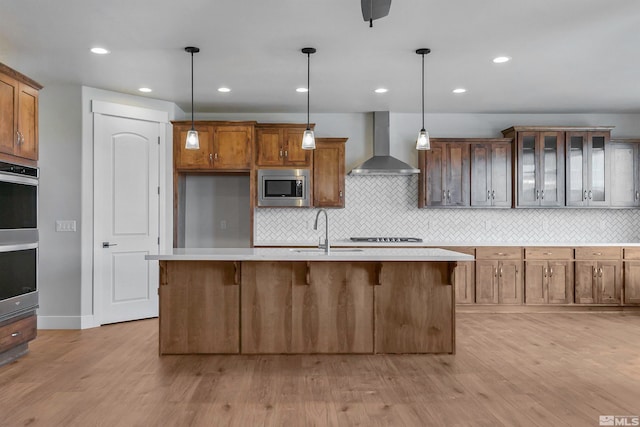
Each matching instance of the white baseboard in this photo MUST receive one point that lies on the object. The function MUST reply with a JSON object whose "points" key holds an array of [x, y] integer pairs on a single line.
{"points": [[66, 322]]}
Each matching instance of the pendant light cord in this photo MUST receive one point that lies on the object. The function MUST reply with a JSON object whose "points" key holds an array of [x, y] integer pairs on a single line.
{"points": [[308, 88], [192, 119], [423, 91]]}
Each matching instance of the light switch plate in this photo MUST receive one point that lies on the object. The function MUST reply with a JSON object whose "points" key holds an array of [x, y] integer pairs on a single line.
{"points": [[66, 225]]}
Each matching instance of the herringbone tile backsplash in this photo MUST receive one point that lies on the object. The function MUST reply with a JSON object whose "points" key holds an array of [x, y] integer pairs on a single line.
{"points": [[388, 206]]}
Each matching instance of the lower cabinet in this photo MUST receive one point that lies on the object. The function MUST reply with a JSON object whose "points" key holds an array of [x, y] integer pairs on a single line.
{"points": [[598, 275], [548, 275], [300, 307], [498, 275], [199, 307], [403, 323], [465, 277], [14, 335], [631, 288]]}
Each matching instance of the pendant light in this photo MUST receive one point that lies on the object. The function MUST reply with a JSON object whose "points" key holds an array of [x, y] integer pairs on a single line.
{"points": [[192, 142], [423, 142], [308, 139]]}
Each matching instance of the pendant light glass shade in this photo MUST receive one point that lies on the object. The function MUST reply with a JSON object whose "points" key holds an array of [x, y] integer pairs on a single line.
{"points": [[192, 142], [308, 139], [423, 142]]}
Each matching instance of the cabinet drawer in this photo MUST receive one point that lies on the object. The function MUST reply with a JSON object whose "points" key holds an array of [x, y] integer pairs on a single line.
{"points": [[598, 253], [17, 333], [498, 252], [631, 253], [548, 253]]}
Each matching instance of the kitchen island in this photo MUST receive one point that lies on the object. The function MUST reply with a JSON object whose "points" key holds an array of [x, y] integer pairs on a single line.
{"points": [[302, 300]]}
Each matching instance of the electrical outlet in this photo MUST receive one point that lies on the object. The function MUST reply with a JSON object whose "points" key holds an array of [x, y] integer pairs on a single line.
{"points": [[66, 226]]}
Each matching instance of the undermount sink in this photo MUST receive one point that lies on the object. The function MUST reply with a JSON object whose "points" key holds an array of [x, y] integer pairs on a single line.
{"points": [[321, 251]]}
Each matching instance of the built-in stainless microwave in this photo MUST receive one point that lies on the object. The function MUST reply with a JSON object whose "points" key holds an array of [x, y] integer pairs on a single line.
{"points": [[283, 187]]}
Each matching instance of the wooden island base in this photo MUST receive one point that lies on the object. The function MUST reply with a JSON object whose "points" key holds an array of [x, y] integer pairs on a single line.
{"points": [[280, 307]]}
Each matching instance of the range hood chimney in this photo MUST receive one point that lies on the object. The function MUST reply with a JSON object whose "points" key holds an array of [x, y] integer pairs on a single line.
{"points": [[382, 163]]}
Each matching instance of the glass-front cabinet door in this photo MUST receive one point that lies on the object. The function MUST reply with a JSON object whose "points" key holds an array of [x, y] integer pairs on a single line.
{"points": [[625, 191], [552, 169], [587, 168], [540, 169]]}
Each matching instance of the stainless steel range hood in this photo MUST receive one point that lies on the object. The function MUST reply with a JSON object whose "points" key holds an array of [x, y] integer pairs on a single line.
{"points": [[382, 163]]}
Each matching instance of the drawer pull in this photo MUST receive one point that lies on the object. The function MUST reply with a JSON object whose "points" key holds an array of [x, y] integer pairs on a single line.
{"points": [[597, 253], [501, 254], [15, 334], [547, 253]]}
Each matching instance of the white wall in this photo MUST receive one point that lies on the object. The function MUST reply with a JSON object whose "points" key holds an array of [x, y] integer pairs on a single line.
{"points": [[217, 211], [60, 140], [66, 192]]}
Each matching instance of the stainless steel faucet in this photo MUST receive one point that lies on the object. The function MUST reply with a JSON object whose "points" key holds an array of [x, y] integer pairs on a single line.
{"points": [[324, 246]]}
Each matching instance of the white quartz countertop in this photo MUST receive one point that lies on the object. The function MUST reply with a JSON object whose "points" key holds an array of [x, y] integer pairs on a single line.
{"points": [[425, 243], [310, 254]]}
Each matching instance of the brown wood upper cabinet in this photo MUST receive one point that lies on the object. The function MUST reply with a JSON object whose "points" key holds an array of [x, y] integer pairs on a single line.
{"points": [[223, 146], [280, 144], [540, 165], [18, 116], [444, 174], [329, 172], [588, 168], [625, 181], [491, 172]]}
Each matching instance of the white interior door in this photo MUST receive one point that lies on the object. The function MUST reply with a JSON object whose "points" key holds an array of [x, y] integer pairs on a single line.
{"points": [[126, 215]]}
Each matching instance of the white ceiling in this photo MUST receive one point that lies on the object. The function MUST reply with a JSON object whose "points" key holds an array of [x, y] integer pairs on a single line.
{"points": [[568, 55]]}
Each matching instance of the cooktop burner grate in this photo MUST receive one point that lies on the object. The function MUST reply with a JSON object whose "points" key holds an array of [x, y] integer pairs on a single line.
{"points": [[387, 239]]}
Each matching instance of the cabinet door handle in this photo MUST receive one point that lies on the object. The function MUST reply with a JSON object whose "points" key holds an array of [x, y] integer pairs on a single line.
{"points": [[585, 195], [542, 194], [280, 155], [307, 277], [551, 272], [444, 195], [500, 271], [488, 194], [600, 272], [448, 195], [495, 272], [341, 194], [286, 153], [17, 137], [595, 271], [236, 273], [493, 194], [210, 157], [537, 194], [215, 156], [379, 281], [637, 195], [590, 195], [544, 273]]}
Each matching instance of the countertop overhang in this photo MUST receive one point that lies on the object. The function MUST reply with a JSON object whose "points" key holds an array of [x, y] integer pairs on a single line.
{"points": [[297, 254]]}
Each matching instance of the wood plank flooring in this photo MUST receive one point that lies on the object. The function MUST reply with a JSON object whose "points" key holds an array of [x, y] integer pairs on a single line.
{"points": [[525, 369]]}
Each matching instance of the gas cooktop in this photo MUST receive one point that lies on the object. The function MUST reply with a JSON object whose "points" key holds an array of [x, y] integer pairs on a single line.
{"points": [[387, 239]]}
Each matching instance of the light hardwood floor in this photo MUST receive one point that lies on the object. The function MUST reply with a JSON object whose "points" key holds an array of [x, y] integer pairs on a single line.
{"points": [[510, 369]]}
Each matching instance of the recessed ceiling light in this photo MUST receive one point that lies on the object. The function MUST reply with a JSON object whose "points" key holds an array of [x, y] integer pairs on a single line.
{"points": [[224, 89], [99, 50], [381, 90], [501, 59], [302, 90], [145, 89], [459, 90]]}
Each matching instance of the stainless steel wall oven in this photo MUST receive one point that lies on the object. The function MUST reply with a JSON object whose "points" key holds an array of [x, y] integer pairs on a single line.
{"points": [[18, 239]]}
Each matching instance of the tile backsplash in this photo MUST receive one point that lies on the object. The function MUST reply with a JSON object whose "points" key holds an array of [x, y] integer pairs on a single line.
{"points": [[388, 206]]}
